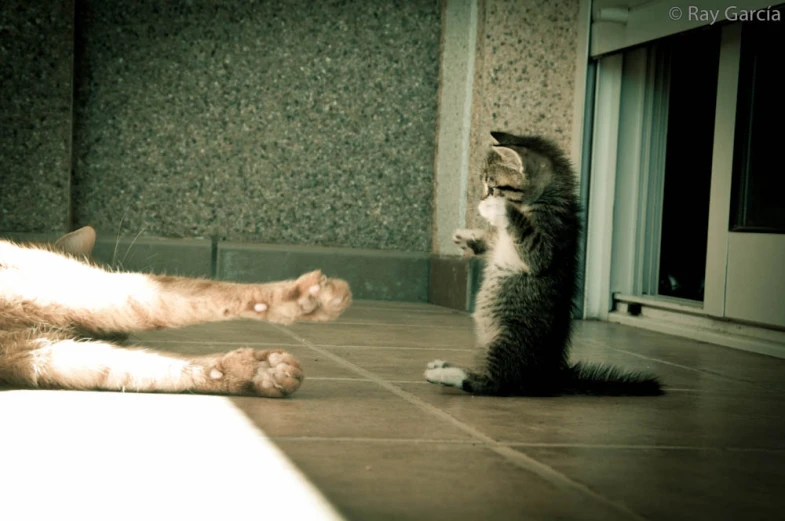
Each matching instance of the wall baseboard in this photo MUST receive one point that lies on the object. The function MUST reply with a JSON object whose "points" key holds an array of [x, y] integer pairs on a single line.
{"points": [[372, 274]]}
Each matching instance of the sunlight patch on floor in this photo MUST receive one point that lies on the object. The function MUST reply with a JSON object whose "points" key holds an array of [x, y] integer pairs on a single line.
{"points": [[92, 455]]}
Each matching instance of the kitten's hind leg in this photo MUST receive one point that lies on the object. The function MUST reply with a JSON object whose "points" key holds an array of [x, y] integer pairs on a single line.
{"points": [[444, 373], [55, 361]]}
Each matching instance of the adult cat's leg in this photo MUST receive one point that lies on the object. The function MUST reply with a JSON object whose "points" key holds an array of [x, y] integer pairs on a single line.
{"points": [[96, 300], [56, 361]]}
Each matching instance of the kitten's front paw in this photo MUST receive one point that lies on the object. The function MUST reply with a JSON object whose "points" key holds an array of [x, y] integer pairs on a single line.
{"points": [[272, 373], [470, 241], [444, 373], [494, 210]]}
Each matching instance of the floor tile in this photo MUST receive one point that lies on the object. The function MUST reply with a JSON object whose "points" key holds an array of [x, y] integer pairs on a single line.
{"points": [[328, 408], [424, 317], [678, 484], [420, 307], [676, 419], [763, 371], [671, 376], [399, 364], [384, 335], [433, 482]]}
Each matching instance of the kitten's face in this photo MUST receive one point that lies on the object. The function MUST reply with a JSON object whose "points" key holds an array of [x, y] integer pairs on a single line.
{"points": [[515, 173], [502, 175]]}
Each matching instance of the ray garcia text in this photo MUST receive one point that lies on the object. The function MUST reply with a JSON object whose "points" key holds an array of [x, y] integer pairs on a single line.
{"points": [[733, 14]]}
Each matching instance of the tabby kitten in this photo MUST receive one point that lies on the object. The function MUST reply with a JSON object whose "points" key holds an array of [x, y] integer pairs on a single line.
{"points": [[59, 312], [524, 306]]}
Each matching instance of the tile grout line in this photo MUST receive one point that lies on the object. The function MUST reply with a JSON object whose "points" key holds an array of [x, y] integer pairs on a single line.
{"points": [[415, 441], [554, 477]]}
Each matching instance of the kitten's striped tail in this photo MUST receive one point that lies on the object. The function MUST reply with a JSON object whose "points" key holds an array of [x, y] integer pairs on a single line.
{"points": [[608, 380]]}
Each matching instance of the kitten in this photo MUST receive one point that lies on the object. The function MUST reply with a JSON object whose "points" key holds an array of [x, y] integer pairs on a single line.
{"points": [[59, 311], [523, 312]]}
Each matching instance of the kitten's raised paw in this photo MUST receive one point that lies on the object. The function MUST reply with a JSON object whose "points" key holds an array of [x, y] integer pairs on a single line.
{"points": [[470, 241], [441, 372], [271, 373]]}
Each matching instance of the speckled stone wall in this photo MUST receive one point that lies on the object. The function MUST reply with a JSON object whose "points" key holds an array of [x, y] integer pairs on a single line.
{"points": [[285, 122], [36, 47], [525, 77]]}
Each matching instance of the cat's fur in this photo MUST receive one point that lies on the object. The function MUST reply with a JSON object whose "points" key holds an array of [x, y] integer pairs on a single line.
{"points": [[523, 313], [60, 316]]}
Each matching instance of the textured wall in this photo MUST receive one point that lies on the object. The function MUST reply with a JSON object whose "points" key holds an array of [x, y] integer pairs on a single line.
{"points": [[525, 77], [36, 46], [281, 121]]}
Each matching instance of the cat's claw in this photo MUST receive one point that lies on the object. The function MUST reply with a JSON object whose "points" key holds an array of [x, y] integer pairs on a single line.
{"points": [[272, 373]]}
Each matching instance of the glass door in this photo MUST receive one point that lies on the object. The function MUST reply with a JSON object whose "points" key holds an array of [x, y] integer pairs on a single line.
{"points": [[754, 242]]}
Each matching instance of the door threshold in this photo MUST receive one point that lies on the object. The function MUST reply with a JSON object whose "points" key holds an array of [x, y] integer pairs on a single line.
{"points": [[697, 325], [693, 307]]}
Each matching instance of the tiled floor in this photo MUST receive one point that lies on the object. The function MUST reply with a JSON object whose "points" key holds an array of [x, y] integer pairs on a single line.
{"points": [[379, 443]]}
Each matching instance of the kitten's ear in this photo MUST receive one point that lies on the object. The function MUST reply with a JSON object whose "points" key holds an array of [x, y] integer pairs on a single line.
{"points": [[78, 242], [507, 158], [503, 138]]}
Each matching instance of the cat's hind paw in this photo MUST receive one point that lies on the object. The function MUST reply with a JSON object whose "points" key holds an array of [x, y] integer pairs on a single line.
{"points": [[321, 298], [441, 372], [312, 297], [271, 373]]}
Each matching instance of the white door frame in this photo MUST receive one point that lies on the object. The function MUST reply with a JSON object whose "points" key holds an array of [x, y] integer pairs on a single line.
{"points": [[722, 171], [597, 282]]}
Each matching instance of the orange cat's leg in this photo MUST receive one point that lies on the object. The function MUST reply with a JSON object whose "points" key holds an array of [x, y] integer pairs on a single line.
{"points": [[72, 294], [54, 361], [182, 300]]}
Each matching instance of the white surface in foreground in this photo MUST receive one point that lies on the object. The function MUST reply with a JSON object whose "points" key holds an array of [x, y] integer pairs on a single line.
{"points": [[115, 456]]}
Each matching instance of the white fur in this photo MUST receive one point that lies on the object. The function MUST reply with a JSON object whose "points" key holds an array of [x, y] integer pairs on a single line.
{"points": [[74, 364], [49, 279], [494, 210], [451, 376], [505, 253], [437, 373]]}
